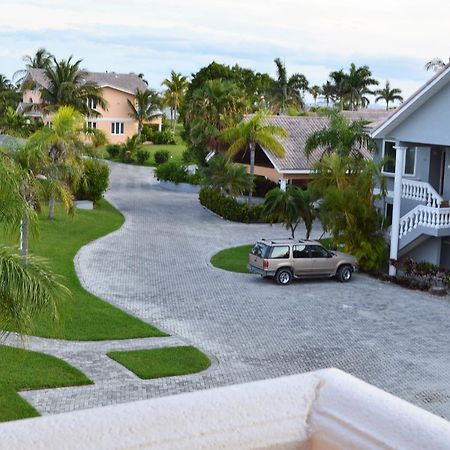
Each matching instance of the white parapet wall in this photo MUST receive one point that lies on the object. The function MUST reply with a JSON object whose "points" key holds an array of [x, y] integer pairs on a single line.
{"points": [[323, 410]]}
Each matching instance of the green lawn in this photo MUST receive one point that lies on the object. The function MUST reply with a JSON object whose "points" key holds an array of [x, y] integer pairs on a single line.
{"points": [[21, 370], [234, 259], [84, 316], [162, 362]]}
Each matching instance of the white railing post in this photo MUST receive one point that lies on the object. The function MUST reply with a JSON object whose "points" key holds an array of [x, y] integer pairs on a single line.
{"points": [[399, 163]]}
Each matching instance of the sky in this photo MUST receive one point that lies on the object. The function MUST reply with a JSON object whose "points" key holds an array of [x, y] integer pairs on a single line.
{"points": [[393, 37]]}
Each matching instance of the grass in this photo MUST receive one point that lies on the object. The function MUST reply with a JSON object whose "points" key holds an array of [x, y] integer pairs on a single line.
{"points": [[162, 362], [235, 259], [84, 316], [21, 370]]}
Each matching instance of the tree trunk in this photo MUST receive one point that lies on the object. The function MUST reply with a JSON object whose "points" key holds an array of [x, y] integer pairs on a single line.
{"points": [[252, 170], [51, 208], [174, 122], [24, 233]]}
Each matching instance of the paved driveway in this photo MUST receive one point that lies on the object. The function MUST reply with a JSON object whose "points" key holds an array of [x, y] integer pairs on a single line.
{"points": [[157, 268]]}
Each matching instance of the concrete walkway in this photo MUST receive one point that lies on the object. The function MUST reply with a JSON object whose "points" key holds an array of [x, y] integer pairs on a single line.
{"points": [[157, 268]]}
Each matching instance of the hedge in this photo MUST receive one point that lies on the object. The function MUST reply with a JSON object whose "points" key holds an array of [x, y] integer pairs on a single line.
{"points": [[229, 208], [95, 181]]}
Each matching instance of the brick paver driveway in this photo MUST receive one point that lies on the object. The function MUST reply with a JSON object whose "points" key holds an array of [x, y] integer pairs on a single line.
{"points": [[157, 267]]}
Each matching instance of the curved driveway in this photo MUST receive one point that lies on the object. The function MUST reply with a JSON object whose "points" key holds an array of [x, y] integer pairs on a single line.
{"points": [[157, 268]]}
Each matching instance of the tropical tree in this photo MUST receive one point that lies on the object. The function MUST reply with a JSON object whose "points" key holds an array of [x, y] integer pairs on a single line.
{"points": [[228, 178], [14, 124], [287, 90], [328, 92], [62, 142], [42, 59], [342, 137], [130, 148], [67, 85], [249, 133], [435, 64], [315, 91], [388, 94], [290, 207], [176, 87], [145, 107]]}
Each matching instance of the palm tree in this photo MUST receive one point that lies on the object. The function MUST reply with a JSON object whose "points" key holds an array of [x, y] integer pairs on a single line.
{"points": [[315, 92], [41, 60], [62, 142], [341, 137], [5, 84], [287, 91], [67, 86], [388, 95], [328, 92], [435, 64], [249, 133], [290, 207], [176, 87], [145, 107]]}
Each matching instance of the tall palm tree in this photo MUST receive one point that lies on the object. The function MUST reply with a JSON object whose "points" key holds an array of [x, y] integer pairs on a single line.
{"points": [[341, 137], [67, 86], [40, 60], [435, 64], [388, 94], [176, 88], [315, 92], [328, 92], [249, 133], [287, 91], [62, 142], [5, 84], [145, 107]]}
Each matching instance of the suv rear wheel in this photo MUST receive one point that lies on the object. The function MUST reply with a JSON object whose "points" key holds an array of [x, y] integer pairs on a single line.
{"points": [[283, 277], [344, 274]]}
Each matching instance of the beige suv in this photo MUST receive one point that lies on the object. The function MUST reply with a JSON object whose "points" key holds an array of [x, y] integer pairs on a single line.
{"points": [[285, 259]]}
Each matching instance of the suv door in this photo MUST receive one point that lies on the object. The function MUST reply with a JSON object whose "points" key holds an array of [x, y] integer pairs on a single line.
{"points": [[279, 256], [321, 261], [301, 260]]}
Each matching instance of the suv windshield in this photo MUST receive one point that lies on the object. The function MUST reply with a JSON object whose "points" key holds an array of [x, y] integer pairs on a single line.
{"points": [[260, 250]]}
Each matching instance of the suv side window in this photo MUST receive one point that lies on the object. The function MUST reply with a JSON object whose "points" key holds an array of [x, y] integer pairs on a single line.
{"points": [[318, 252], [300, 251], [280, 252]]}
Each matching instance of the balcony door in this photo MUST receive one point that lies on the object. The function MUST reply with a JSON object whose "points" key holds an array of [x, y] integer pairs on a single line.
{"points": [[437, 166]]}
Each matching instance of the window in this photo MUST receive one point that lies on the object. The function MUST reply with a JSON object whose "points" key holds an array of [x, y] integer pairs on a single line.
{"points": [[300, 251], [91, 103], [318, 252], [117, 128], [92, 125], [280, 253], [410, 159], [259, 250], [388, 213], [389, 153]]}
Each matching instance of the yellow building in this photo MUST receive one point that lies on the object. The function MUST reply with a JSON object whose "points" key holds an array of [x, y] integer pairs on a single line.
{"points": [[117, 88]]}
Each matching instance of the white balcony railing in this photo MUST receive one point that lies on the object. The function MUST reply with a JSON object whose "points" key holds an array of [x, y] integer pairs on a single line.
{"points": [[421, 191], [424, 216]]}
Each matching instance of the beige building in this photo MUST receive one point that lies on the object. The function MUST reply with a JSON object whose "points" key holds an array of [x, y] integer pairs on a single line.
{"points": [[117, 88], [295, 167]]}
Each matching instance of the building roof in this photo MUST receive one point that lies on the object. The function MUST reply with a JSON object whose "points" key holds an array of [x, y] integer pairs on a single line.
{"points": [[431, 87], [299, 129], [126, 82]]}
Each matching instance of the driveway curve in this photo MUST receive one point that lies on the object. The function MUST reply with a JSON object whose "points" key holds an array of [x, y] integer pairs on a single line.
{"points": [[157, 268]]}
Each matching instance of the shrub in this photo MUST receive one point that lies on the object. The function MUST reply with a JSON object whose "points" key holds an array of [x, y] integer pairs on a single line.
{"points": [[172, 171], [163, 137], [113, 150], [147, 133], [161, 156], [230, 209], [95, 180], [141, 156]]}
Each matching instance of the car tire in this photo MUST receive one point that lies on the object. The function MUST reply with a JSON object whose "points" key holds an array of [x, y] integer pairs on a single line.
{"points": [[283, 277], [344, 274]]}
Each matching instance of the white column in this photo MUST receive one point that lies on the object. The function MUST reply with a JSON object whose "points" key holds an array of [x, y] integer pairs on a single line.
{"points": [[283, 184], [160, 124], [395, 228]]}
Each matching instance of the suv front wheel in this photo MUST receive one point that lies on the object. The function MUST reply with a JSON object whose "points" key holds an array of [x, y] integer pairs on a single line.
{"points": [[344, 274], [283, 277]]}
